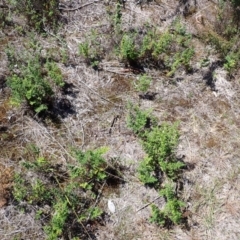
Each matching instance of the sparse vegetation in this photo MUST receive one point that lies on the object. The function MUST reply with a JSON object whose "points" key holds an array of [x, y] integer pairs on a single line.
{"points": [[139, 120], [91, 50], [143, 83], [171, 212], [71, 195], [160, 165], [32, 80], [39, 14], [155, 81]]}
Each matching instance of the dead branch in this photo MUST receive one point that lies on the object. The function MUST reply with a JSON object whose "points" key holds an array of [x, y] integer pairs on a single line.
{"points": [[79, 7], [148, 204]]}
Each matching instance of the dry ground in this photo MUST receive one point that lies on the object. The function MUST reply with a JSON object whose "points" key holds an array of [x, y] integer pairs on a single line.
{"points": [[209, 127]]}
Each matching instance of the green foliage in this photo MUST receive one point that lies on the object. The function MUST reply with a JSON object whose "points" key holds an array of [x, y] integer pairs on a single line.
{"points": [[146, 172], [181, 59], [128, 51], [39, 14], [93, 213], [148, 44], [90, 167], [138, 120], [54, 72], [170, 49], [39, 193], [20, 189], [31, 86], [160, 144], [56, 225], [143, 83], [172, 209], [41, 165], [31, 80], [71, 195], [91, 49], [157, 216], [163, 44], [231, 61]]}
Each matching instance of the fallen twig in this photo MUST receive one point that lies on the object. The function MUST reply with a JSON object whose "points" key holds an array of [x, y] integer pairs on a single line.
{"points": [[79, 7], [148, 204]]}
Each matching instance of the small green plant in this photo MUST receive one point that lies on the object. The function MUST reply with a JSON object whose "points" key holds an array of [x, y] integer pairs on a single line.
{"points": [[72, 195], [163, 44], [32, 80], [128, 51], [146, 172], [56, 225], [90, 167], [157, 216], [231, 61], [39, 14], [181, 59], [143, 83], [139, 120], [31, 87], [160, 144], [172, 210], [54, 72], [148, 44], [39, 193], [91, 49], [20, 188]]}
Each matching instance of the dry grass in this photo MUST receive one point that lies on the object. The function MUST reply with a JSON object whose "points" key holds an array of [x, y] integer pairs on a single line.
{"points": [[209, 127]]}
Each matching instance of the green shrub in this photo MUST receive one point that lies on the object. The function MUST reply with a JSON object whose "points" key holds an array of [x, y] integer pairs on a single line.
{"points": [[128, 51], [163, 44], [160, 144], [90, 168], [39, 14], [72, 194], [31, 80], [139, 120], [56, 225], [91, 49], [157, 216], [143, 83], [231, 61], [31, 86], [55, 73], [20, 188], [146, 172], [171, 213], [169, 49]]}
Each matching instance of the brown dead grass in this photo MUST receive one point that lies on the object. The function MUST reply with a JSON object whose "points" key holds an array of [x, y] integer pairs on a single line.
{"points": [[209, 127]]}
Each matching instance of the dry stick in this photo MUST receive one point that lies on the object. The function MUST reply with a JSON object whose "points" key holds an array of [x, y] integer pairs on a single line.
{"points": [[113, 122], [148, 204], [79, 7]]}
